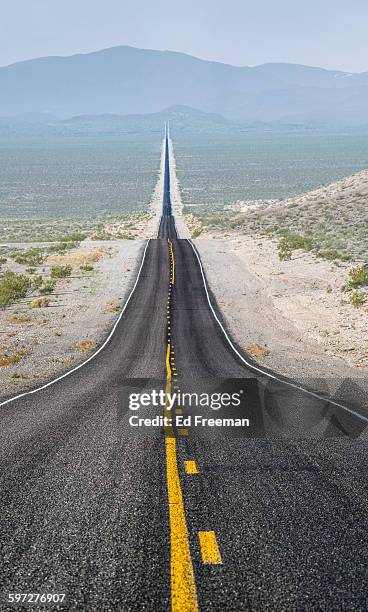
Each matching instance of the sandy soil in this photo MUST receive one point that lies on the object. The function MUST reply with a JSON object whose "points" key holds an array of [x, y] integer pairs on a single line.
{"points": [[82, 309], [288, 314]]}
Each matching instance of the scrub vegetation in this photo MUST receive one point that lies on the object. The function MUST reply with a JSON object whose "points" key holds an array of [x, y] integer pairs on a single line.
{"points": [[332, 221], [68, 232]]}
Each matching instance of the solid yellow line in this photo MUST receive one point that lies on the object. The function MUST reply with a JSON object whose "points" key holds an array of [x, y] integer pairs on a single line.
{"points": [[183, 587], [173, 266], [191, 467], [209, 548]]}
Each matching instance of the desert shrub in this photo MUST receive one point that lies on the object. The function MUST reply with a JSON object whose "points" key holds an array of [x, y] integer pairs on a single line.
{"points": [[47, 287], [330, 254], [209, 219], [86, 268], [236, 221], [74, 237], [357, 298], [291, 242], [283, 249], [37, 281], [30, 257], [61, 247], [13, 287], [101, 235], [358, 276], [124, 236], [30, 270], [61, 271], [114, 308], [3, 260], [197, 232]]}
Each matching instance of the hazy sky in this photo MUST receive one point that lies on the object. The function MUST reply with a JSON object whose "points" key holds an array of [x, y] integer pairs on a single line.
{"points": [[327, 33]]}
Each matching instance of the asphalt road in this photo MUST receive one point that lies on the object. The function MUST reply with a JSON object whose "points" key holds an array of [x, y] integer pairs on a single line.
{"points": [[93, 507]]}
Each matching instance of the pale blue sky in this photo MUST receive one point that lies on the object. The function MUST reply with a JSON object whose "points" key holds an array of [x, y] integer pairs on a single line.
{"points": [[327, 33]]}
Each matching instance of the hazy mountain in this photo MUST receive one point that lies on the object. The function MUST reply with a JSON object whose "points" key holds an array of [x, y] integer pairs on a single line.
{"points": [[125, 80], [181, 118]]}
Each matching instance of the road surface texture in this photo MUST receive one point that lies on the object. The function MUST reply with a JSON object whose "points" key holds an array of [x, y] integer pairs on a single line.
{"points": [[169, 518]]}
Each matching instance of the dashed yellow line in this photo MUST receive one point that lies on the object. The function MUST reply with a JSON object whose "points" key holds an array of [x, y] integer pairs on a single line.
{"points": [[191, 467], [209, 548]]}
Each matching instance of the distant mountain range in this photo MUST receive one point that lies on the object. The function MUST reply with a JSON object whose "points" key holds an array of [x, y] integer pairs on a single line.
{"points": [[126, 80]]}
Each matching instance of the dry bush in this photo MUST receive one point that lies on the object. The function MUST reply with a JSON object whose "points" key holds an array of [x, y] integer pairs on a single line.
{"points": [[79, 258], [85, 345], [40, 302], [19, 319], [257, 351], [6, 360]]}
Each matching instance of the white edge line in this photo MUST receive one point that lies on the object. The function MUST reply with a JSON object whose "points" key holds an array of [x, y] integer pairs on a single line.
{"points": [[55, 380], [260, 370]]}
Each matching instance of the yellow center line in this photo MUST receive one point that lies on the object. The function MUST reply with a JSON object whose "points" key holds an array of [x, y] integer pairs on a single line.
{"points": [[172, 278], [183, 586], [209, 548], [168, 367]]}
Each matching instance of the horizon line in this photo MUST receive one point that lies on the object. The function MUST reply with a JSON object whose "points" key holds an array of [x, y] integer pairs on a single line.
{"points": [[147, 49]]}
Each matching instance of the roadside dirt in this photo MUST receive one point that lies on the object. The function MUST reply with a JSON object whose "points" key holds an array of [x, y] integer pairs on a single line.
{"points": [[290, 315], [36, 343]]}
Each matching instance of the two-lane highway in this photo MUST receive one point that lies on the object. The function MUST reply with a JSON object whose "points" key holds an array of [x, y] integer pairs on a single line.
{"points": [[170, 518], [167, 228]]}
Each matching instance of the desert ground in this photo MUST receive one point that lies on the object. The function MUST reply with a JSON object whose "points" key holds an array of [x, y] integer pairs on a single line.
{"points": [[44, 335], [289, 315]]}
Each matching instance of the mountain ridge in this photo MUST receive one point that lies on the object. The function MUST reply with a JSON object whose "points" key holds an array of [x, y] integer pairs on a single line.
{"points": [[126, 80]]}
